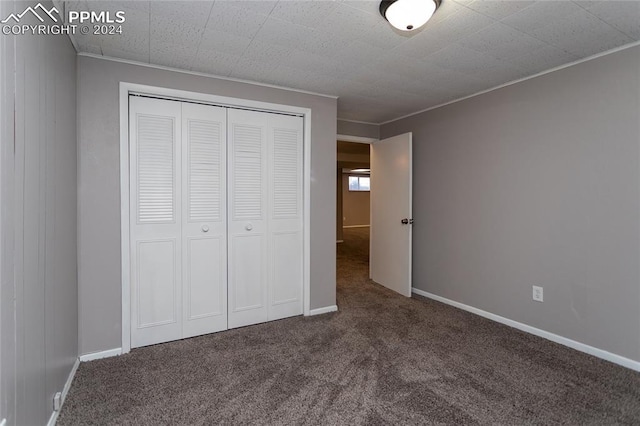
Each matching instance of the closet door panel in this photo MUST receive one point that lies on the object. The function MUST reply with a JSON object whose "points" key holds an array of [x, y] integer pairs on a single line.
{"points": [[157, 283], [205, 282], [155, 243], [286, 269], [204, 230], [285, 216], [249, 283], [247, 166]]}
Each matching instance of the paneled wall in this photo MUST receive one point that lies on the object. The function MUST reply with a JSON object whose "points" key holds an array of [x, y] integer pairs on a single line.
{"points": [[38, 292]]}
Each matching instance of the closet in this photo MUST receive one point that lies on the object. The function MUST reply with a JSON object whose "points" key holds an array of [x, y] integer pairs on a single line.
{"points": [[216, 225]]}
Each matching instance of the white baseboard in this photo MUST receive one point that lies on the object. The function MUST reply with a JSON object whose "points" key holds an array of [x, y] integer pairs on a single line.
{"points": [[356, 226], [325, 310], [101, 354], [600, 353], [65, 390]]}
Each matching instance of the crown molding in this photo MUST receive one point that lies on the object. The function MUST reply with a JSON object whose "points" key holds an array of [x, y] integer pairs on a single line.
{"points": [[202, 74], [359, 122]]}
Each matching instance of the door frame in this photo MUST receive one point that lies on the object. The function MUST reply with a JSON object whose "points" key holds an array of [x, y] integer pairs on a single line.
{"points": [[127, 89], [356, 139]]}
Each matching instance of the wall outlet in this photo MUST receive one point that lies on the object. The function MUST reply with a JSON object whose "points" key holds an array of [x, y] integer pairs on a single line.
{"points": [[57, 401], [537, 293]]}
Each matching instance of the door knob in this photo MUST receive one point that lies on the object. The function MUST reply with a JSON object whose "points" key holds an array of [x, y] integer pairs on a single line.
{"points": [[406, 221], [248, 227], [205, 228]]}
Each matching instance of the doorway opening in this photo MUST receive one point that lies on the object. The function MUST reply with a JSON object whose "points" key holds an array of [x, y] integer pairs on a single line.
{"points": [[374, 211], [353, 209]]}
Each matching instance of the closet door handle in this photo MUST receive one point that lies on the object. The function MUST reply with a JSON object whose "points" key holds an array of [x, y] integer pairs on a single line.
{"points": [[205, 228], [248, 227]]}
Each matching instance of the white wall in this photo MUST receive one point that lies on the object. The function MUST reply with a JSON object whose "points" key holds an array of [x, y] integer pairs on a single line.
{"points": [[38, 292], [99, 192], [537, 183]]}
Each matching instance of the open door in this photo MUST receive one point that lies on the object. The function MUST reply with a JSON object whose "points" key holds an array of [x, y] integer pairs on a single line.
{"points": [[391, 206]]}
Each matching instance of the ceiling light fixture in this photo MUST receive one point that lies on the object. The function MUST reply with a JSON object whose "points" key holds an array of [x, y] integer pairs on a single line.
{"points": [[408, 15]]}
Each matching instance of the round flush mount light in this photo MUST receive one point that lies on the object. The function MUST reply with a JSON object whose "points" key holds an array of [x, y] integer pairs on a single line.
{"points": [[408, 15]]}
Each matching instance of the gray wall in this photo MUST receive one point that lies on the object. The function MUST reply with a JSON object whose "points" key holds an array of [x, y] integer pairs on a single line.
{"points": [[38, 292], [7, 290], [358, 129], [99, 186], [537, 183], [355, 205]]}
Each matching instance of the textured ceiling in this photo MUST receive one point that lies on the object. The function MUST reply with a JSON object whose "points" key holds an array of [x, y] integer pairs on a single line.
{"points": [[345, 48]]}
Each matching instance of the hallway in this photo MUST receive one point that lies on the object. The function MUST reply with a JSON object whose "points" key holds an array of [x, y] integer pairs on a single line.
{"points": [[353, 257]]}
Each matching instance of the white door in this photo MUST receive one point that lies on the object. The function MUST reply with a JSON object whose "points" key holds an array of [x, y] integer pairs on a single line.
{"points": [[247, 162], [265, 217], [204, 213], [178, 220], [155, 218], [391, 179], [285, 249]]}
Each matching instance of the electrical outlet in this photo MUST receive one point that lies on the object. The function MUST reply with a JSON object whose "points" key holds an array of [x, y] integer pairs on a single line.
{"points": [[537, 293], [57, 401]]}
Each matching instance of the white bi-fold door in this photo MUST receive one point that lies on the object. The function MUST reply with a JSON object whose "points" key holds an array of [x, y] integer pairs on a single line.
{"points": [[216, 218], [177, 219], [265, 217]]}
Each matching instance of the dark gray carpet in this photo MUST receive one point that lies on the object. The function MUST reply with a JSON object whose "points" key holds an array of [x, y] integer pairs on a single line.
{"points": [[382, 359]]}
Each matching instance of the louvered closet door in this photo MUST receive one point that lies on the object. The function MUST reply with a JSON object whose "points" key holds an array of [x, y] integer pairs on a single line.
{"points": [[265, 217], [285, 250], [155, 220], [247, 165], [216, 218], [204, 211]]}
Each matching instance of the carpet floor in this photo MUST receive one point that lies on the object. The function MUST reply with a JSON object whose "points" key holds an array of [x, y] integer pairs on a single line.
{"points": [[381, 359]]}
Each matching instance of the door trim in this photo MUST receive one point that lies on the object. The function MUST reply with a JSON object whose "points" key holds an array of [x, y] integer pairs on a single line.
{"points": [[356, 139], [130, 88]]}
